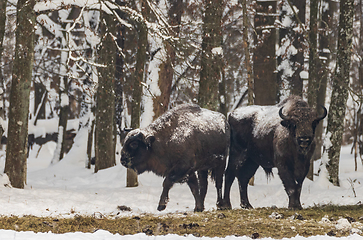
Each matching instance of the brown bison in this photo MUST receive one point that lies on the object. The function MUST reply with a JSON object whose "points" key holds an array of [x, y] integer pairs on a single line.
{"points": [[181, 142], [280, 136]]}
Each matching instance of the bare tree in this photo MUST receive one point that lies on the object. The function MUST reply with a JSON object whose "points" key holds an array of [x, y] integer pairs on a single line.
{"points": [[142, 43], [264, 59], [166, 73], [339, 94], [105, 109], [211, 59], [16, 154]]}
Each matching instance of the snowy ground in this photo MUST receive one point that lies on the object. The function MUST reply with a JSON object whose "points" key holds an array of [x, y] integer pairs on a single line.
{"points": [[68, 188]]}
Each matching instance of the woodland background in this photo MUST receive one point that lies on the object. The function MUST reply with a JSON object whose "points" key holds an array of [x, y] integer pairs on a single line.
{"points": [[112, 65]]}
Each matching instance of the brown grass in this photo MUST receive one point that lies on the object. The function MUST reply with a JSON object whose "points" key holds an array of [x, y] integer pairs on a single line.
{"points": [[256, 223]]}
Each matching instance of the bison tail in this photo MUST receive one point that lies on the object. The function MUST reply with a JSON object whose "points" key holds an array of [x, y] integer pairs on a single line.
{"points": [[269, 173]]}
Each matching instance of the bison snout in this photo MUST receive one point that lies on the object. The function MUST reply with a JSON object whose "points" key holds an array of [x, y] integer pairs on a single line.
{"points": [[125, 161], [304, 142]]}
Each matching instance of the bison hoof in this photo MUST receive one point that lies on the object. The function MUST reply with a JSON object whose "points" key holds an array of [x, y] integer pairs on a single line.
{"points": [[246, 206], [198, 209], [295, 207], [224, 206], [161, 207]]}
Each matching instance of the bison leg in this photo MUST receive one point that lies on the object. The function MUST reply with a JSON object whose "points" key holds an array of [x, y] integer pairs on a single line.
{"points": [[167, 184], [245, 173], [292, 188], [230, 175], [194, 187], [218, 179], [203, 184]]}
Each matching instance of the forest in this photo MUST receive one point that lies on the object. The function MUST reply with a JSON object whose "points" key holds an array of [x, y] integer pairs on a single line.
{"points": [[114, 65]]}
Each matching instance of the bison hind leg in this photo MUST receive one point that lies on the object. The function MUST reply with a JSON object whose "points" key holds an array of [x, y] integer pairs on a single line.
{"points": [[244, 174], [192, 182], [203, 184]]}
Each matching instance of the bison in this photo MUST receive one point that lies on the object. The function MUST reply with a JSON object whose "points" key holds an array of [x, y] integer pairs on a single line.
{"points": [[280, 136], [184, 140]]}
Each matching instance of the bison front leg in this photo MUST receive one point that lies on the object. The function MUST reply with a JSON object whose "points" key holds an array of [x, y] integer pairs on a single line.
{"points": [[164, 198], [194, 187], [292, 188]]}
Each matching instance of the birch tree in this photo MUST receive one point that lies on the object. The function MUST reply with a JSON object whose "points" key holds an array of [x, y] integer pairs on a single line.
{"points": [[16, 154], [339, 94]]}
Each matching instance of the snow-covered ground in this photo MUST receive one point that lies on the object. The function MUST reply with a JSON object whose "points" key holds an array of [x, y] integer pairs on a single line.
{"points": [[68, 188]]}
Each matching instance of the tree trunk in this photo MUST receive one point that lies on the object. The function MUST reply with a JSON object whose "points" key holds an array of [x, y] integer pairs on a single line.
{"points": [[340, 89], [264, 58], [247, 54], [16, 154], [119, 70], [105, 109], [2, 34], [166, 73], [211, 59], [39, 91], [298, 39], [2, 26], [142, 42], [314, 66], [325, 57], [63, 116]]}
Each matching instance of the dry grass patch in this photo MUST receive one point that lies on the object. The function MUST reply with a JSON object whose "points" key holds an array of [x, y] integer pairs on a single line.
{"points": [[257, 223]]}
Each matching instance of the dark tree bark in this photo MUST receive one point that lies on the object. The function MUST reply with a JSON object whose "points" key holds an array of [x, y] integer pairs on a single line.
{"points": [[142, 43], [325, 49], [246, 46], [2, 26], [211, 60], [39, 101], [298, 59], [16, 154], [314, 66], [105, 109], [166, 73], [2, 34], [340, 89], [63, 116], [264, 58]]}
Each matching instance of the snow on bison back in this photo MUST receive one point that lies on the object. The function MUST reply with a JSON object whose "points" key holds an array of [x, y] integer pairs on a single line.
{"points": [[184, 140], [280, 136]]}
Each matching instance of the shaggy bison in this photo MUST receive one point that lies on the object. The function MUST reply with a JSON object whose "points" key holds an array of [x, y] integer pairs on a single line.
{"points": [[279, 136], [181, 142]]}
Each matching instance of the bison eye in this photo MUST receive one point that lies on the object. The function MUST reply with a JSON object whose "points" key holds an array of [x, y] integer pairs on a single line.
{"points": [[134, 145], [288, 124]]}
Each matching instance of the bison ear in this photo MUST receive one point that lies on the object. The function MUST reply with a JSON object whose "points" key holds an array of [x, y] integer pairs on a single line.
{"points": [[149, 141]]}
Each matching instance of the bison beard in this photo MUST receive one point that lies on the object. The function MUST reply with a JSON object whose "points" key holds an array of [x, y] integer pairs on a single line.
{"points": [[280, 136], [182, 142]]}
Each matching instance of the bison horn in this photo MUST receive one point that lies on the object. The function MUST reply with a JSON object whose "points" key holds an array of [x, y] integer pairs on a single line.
{"points": [[128, 129], [282, 115], [322, 116]]}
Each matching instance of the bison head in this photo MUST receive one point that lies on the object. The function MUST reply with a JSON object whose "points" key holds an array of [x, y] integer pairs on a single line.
{"points": [[136, 150], [301, 123]]}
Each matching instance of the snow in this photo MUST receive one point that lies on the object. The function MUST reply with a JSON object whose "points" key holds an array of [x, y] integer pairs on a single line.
{"points": [[266, 117], [67, 188]]}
